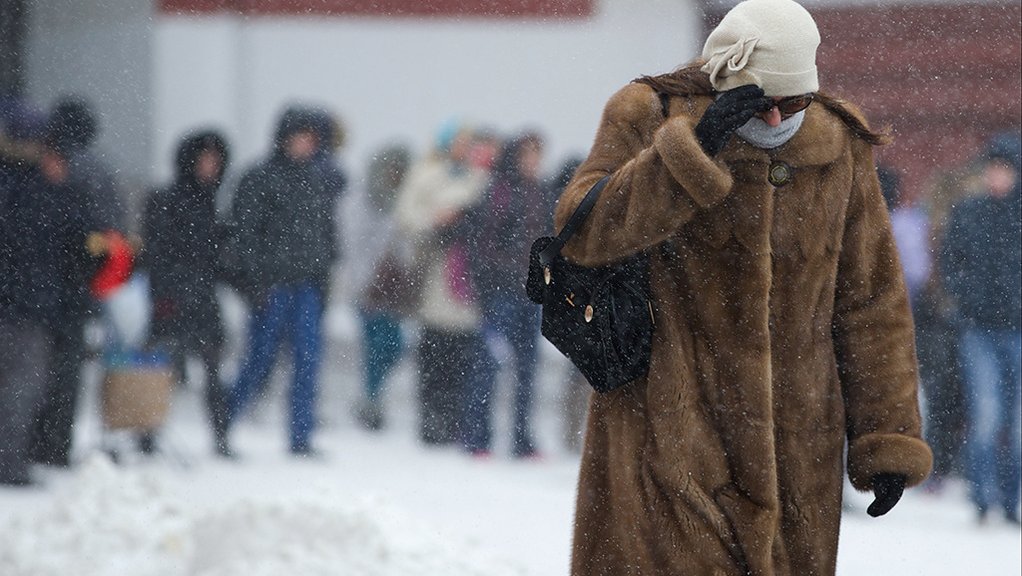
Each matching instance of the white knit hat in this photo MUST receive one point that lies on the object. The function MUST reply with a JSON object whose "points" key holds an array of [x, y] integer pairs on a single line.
{"points": [[770, 43]]}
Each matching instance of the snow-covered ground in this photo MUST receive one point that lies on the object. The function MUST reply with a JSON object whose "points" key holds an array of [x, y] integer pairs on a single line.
{"points": [[381, 504]]}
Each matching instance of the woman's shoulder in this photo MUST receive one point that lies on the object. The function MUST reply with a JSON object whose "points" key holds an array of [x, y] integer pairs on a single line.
{"points": [[637, 103], [633, 102]]}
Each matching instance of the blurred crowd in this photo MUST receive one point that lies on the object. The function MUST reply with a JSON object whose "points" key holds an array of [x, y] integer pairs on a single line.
{"points": [[961, 252], [434, 247]]}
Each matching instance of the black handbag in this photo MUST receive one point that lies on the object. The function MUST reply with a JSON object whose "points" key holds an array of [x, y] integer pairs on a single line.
{"points": [[601, 317]]}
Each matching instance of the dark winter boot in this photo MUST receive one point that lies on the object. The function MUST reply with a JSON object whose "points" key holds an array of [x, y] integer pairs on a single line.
{"points": [[147, 442], [219, 415], [370, 415]]}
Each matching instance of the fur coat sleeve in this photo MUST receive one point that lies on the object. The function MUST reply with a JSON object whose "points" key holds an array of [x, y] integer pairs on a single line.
{"points": [[658, 182], [871, 328]]}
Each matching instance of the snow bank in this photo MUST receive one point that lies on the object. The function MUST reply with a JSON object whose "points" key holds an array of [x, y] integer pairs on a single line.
{"points": [[114, 521], [105, 522]]}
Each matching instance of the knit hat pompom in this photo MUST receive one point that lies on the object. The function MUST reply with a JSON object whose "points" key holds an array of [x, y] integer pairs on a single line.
{"points": [[769, 43]]}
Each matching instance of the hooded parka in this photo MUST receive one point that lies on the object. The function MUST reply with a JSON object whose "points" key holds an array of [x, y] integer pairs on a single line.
{"points": [[782, 329], [284, 216], [182, 239]]}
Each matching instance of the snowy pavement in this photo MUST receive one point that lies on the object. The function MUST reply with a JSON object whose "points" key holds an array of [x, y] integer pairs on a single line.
{"points": [[382, 505]]}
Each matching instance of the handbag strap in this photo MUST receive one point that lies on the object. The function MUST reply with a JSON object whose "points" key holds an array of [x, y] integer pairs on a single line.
{"points": [[581, 213]]}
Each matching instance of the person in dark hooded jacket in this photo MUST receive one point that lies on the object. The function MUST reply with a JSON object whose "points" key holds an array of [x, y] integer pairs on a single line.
{"points": [[72, 128], [981, 260], [285, 246], [45, 224], [514, 211], [331, 136], [182, 240]]}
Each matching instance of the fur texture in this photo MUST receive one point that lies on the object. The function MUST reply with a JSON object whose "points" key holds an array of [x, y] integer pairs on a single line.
{"points": [[783, 328]]}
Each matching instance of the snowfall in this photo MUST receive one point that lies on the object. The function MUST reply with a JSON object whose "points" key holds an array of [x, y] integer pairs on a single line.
{"points": [[380, 504]]}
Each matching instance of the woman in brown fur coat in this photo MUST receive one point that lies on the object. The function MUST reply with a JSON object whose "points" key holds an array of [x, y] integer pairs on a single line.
{"points": [[782, 323]]}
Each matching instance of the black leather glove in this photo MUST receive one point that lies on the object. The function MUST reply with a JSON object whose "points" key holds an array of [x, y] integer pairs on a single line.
{"points": [[729, 112], [888, 489]]}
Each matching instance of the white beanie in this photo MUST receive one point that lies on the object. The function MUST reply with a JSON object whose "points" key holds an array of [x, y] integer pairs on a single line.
{"points": [[769, 43]]}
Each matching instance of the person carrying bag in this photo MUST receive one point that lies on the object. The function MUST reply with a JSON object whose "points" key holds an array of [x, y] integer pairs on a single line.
{"points": [[782, 326]]}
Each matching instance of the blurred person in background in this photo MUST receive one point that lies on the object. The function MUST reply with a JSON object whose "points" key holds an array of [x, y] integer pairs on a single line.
{"points": [[182, 239], [515, 209], [982, 261], [73, 127], [937, 338], [378, 276], [431, 210], [285, 246], [330, 138], [485, 148], [22, 129], [910, 227], [46, 224]]}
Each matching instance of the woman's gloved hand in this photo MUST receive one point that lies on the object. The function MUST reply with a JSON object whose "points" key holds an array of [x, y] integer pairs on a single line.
{"points": [[887, 488], [728, 113]]}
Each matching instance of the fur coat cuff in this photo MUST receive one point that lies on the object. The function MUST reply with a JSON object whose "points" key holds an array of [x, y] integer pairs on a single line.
{"points": [[873, 454]]}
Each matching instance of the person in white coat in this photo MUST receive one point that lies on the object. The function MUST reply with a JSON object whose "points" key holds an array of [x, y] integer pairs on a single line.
{"points": [[431, 210]]}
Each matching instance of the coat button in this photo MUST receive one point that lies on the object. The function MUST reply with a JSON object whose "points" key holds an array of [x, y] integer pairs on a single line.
{"points": [[546, 275], [589, 313], [779, 173]]}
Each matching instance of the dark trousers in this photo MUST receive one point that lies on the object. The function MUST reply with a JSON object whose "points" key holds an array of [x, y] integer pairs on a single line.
{"points": [[446, 361], [940, 376], [216, 397], [54, 422], [518, 322], [477, 433], [25, 348]]}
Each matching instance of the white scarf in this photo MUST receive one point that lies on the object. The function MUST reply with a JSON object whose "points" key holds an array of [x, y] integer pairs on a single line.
{"points": [[762, 135]]}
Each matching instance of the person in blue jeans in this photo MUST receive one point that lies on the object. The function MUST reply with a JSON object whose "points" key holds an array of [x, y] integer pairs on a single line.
{"points": [[982, 260], [283, 247], [516, 208], [291, 312]]}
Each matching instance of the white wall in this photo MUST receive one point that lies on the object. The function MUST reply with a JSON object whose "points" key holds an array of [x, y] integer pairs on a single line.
{"points": [[401, 78], [100, 50]]}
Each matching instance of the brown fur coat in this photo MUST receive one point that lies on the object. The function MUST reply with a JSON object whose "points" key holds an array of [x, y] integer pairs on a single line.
{"points": [[783, 328]]}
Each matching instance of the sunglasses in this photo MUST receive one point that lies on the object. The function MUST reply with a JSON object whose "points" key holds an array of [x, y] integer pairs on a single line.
{"points": [[793, 104]]}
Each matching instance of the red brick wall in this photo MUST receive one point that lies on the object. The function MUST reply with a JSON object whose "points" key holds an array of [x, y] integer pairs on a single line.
{"points": [[388, 8], [943, 77]]}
